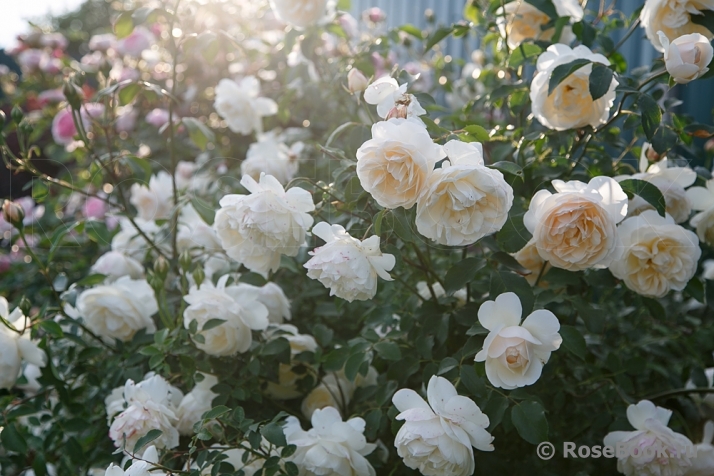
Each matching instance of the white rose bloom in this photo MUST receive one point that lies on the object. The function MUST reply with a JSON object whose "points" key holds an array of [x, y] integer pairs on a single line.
{"points": [[702, 199], [332, 447], [118, 310], [570, 105], [687, 57], [150, 405], [256, 229], [437, 437], [464, 200], [519, 21], [650, 436], [194, 232], [302, 13], [529, 258], [336, 390], [271, 156], [424, 291], [673, 18], [670, 180], [16, 347], [516, 352], [234, 457], [241, 106], [130, 242], [356, 81], [154, 202], [286, 388], [703, 462], [575, 228], [273, 297], [395, 165], [392, 100], [237, 305], [657, 254], [708, 272], [139, 467], [195, 403], [347, 266], [114, 265]]}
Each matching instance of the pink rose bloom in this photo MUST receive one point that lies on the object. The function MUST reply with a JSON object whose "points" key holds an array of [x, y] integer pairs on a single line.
{"points": [[5, 262], [375, 15], [140, 39], [94, 208], [63, 129], [349, 24], [54, 40], [102, 42], [51, 65], [51, 96], [126, 121], [31, 59], [159, 117]]}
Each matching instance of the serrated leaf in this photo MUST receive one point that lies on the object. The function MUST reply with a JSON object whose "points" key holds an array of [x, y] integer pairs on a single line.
{"points": [[276, 346], [514, 235], [446, 365], [561, 73], [124, 25], [52, 328], [212, 323], [600, 80], [545, 6], [647, 191], [146, 439], [200, 134], [274, 434], [353, 364], [574, 341], [388, 350], [437, 36], [473, 382], [477, 132], [508, 167], [12, 440], [215, 412], [128, 93], [523, 53], [651, 115], [412, 30], [461, 273], [530, 422]]}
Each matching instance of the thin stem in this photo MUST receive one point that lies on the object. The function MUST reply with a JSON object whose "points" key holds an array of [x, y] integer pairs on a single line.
{"points": [[629, 33]]}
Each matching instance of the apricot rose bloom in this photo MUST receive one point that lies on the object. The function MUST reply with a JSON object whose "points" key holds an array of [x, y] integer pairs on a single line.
{"points": [[674, 19], [519, 21]]}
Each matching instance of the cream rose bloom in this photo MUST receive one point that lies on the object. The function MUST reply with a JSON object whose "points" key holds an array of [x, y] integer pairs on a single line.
{"points": [[237, 305], [332, 447], [423, 289], [520, 21], [273, 157], [575, 228], [114, 265], [154, 202], [570, 105], [195, 403], [437, 437], [130, 242], [516, 352], [395, 165], [274, 299], [120, 309], [687, 57], [392, 100], [194, 234], [336, 390], [702, 199], [145, 466], [150, 405], [256, 229], [673, 18], [347, 266], [286, 387], [529, 258], [234, 457], [657, 254], [670, 180], [16, 345], [302, 13], [650, 436], [703, 462], [240, 105], [464, 200]]}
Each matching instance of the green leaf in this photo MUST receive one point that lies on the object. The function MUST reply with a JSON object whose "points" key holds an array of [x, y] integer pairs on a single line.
{"points": [[141, 168], [124, 25], [473, 382], [276, 346], [514, 235], [574, 341], [695, 288], [212, 323], [200, 134], [560, 73], [647, 191], [215, 412], [495, 408], [504, 281], [204, 210], [412, 30], [39, 191], [402, 225], [141, 14], [12, 440], [128, 93], [585, 32], [530, 422], [146, 439], [600, 80], [91, 280], [447, 364], [388, 350], [705, 19], [523, 53], [462, 273], [274, 434], [546, 6], [651, 115], [477, 132], [52, 328], [508, 167], [353, 364], [438, 35]]}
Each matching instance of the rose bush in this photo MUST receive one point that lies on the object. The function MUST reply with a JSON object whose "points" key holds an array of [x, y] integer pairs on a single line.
{"points": [[475, 255]]}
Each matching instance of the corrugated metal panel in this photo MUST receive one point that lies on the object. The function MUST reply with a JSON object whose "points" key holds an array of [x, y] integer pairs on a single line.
{"points": [[698, 96]]}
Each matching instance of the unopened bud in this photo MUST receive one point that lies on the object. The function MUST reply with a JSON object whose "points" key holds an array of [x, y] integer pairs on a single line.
{"points": [[199, 276], [375, 15], [25, 306], [13, 214], [161, 267], [185, 261], [3, 120], [26, 128], [73, 95], [16, 115], [356, 81]]}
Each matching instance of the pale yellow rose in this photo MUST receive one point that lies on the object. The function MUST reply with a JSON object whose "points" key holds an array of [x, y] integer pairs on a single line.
{"points": [[529, 258], [702, 199], [520, 21], [673, 18]]}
